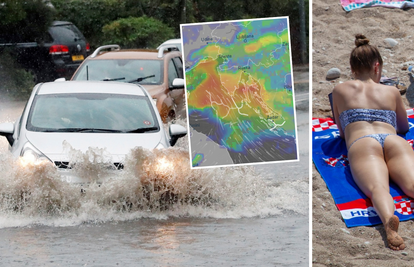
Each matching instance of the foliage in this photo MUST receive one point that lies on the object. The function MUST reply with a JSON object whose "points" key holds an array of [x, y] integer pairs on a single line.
{"points": [[90, 15], [240, 9], [24, 20], [15, 82], [132, 32], [132, 23], [11, 12], [170, 12]]}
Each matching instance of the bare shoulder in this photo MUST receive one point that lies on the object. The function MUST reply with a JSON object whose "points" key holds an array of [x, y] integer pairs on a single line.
{"points": [[390, 89], [345, 86]]}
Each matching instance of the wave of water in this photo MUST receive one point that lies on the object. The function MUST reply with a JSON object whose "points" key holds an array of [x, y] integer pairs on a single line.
{"points": [[153, 184]]}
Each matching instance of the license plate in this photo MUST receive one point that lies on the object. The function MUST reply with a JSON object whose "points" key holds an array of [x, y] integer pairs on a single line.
{"points": [[77, 57]]}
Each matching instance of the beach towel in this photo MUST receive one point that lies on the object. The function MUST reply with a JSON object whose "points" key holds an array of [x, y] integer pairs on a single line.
{"points": [[350, 5], [329, 155]]}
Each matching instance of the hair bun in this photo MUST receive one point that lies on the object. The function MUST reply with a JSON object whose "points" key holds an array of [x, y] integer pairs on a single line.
{"points": [[360, 39]]}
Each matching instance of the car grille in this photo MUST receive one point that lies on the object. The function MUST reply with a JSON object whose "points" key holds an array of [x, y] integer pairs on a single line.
{"points": [[67, 165]]}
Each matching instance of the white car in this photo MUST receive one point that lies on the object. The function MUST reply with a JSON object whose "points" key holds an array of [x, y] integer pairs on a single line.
{"points": [[116, 117], [175, 42]]}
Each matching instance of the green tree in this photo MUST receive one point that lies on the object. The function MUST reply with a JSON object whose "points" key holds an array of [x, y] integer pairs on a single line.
{"points": [[238, 9], [24, 20], [132, 32], [21, 21], [90, 15], [170, 12], [15, 82]]}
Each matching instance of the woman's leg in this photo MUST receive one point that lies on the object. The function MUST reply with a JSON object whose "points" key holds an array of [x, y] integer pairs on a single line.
{"points": [[370, 173], [400, 158]]}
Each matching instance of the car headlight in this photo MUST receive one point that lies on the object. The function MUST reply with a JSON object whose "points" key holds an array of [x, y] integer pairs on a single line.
{"points": [[163, 166], [31, 155]]}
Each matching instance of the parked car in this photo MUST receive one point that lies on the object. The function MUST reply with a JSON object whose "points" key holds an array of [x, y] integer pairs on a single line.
{"points": [[172, 42], [159, 71], [58, 53], [114, 116]]}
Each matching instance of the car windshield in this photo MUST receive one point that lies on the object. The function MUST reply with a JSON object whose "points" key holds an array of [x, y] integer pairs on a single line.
{"points": [[123, 70], [82, 112]]}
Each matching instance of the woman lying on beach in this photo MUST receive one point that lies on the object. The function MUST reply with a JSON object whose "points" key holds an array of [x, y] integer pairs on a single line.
{"points": [[369, 115]]}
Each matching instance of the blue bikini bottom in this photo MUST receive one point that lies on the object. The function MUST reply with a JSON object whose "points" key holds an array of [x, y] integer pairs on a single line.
{"points": [[379, 137]]}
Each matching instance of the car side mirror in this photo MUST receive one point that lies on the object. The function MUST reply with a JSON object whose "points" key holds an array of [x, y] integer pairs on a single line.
{"points": [[7, 130], [176, 132], [178, 83], [60, 80]]}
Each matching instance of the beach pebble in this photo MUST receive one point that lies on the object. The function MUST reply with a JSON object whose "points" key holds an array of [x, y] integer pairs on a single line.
{"points": [[345, 231], [404, 253], [333, 74], [391, 42], [408, 63]]}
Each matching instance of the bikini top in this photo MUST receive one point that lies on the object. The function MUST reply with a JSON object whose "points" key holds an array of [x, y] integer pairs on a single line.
{"points": [[360, 114]]}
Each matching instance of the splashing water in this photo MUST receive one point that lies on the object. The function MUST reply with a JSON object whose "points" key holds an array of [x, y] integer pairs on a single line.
{"points": [[156, 184]]}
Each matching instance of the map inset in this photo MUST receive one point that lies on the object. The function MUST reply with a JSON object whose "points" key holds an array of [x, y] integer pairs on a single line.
{"points": [[240, 98]]}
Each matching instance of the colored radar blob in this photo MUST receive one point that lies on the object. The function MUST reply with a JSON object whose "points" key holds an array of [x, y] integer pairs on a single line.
{"points": [[239, 89], [198, 158]]}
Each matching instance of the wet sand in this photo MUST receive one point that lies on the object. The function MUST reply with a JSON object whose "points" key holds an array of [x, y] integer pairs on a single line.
{"points": [[333, 38]]}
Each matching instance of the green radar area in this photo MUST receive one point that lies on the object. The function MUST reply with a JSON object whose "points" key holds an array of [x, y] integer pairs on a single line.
{"points": [[239, 92]]}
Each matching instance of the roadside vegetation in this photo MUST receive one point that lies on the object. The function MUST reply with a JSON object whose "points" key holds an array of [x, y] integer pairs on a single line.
{"points": [[15, 83], [20, 20], [133, 24]]}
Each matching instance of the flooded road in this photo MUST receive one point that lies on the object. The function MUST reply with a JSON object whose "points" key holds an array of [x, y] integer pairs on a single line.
{"points": [[250, 216], [278, 241]]}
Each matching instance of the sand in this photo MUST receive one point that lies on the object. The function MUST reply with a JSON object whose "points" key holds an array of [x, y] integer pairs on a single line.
{"points": [[333, 38]]}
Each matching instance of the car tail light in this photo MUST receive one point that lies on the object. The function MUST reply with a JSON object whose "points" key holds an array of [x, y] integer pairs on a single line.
{"points": [[58, 49], [88, 47]]}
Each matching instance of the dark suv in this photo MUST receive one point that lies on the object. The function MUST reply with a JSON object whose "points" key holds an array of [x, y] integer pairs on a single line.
{"points": [[58, 53]]}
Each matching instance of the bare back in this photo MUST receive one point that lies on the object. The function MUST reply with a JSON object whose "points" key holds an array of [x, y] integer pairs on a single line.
{"points": [[368, 95]]}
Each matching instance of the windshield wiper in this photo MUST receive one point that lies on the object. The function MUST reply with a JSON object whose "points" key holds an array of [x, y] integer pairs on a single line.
{"points": [[143, 130], [83, 130], [140, 79], [113, 79]]}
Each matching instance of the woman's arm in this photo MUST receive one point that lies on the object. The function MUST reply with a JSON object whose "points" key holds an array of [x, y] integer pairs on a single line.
{"points": [[402, 121], [335, 98]]}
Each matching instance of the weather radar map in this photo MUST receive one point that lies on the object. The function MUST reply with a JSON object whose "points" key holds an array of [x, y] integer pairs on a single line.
{"points": [[239, 90]]}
